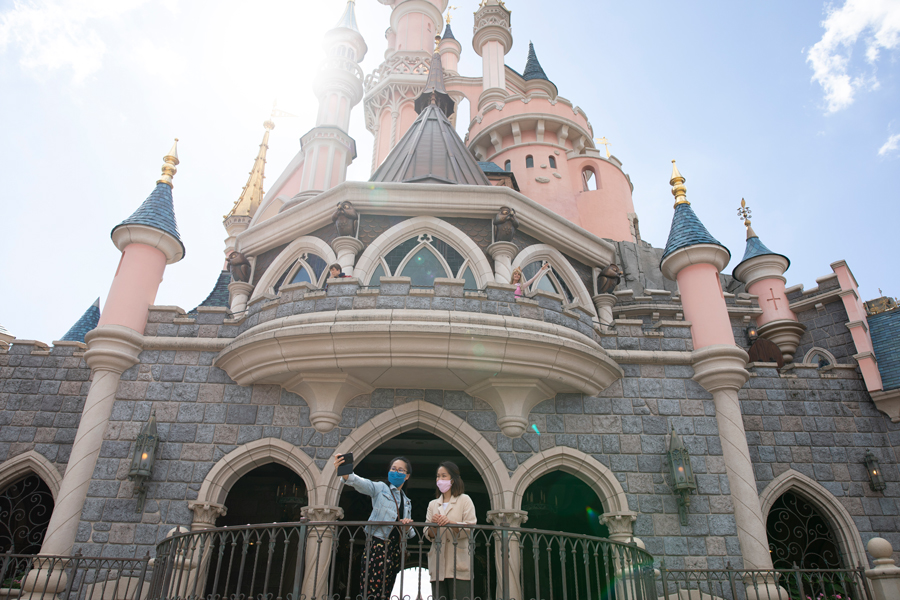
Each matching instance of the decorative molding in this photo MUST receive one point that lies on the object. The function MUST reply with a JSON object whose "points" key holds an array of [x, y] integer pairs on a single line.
{"points": [[288, 257], [888, 402], [133, 233], [30, 462]]}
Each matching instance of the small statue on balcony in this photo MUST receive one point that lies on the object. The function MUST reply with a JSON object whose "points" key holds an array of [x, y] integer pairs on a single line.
{"points": [[608, 279], [239, 266], [505, 225], [344, 219]]}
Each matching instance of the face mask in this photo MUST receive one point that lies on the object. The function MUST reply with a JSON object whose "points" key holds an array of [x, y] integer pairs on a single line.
{"points": [[444, 485], [396, 478]]}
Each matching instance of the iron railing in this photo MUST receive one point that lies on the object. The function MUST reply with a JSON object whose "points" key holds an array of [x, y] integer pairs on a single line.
{"points": [[39, 577], [329, 560], [776, 584]]}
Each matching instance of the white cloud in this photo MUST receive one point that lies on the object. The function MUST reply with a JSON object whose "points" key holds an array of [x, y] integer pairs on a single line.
{"points": [[51, 35], [878, 22], [890, 145]]}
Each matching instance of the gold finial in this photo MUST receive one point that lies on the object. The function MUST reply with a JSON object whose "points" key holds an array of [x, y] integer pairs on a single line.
{"points": [[604, 142], [252, 194], [744, 213], [169, 162], [437, 42], [678, 189], [449, 17]]}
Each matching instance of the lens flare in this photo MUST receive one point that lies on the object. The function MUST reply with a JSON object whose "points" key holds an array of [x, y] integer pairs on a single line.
{"points": [[537, 431]]}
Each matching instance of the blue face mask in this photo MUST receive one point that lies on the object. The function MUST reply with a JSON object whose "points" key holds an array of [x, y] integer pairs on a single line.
{"points": [[396, 478]]}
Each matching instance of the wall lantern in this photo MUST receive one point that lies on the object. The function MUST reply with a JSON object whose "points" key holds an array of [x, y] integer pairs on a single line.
{"points": [[752, 333], [682, 474], [142, 461], [876, 481]]}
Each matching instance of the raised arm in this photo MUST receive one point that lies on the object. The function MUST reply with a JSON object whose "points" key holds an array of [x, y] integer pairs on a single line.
{"points": [[540, 272]]}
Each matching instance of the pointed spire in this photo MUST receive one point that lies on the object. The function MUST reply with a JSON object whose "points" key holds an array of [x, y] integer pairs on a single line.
{"points": [[219, 295], [252, 194], [86, 323], [754, 247], [434, 91], [448, 33], [170, 160], [533, 69], [348, 19], [678, 189]]}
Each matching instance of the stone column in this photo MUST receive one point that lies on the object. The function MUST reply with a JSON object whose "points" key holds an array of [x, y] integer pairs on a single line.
{"points": [[885, 577], [318, 549], [111, 350], [240, 293], [503, 253], [721, 370], [604, 304], [620, 525], [509, 518], [202, 547], [347, 248]]}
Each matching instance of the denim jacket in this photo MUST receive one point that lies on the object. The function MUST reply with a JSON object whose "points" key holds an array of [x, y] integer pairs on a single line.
{"points": [[384, 507]]}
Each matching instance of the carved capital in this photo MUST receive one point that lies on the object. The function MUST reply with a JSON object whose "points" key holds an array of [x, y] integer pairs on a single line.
{"points": [[206, 513], [322, 512], [720, 367], [620, 525], [112, 348], [512, 518]]}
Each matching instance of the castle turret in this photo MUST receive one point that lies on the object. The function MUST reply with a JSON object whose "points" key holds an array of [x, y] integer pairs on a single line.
{"points": [[762, 272], [450, 50], [492, 39], [238, 218]]}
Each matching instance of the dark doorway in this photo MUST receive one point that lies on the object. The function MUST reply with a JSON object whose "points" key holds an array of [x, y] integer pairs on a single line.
{"points": [[560, 502], [25, 509], [425, 451], [260, 560]]}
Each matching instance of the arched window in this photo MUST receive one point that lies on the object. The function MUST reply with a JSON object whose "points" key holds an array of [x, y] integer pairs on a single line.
{"points": [[529, 162], [507, 166], [423, 258], [552, 162], [550, 282], [309, 268], [820, 357], [25, 509], [591, 180]]}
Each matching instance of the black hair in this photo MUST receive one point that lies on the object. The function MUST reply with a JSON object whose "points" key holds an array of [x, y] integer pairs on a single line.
{"points": [[336, 266], [405, 460], [458, 488]]}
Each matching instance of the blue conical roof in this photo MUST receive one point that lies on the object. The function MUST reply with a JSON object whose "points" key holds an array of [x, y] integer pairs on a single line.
{"points": [[687, 230], [219, 296], [533, 68], [448, 33], [755, 248], [157, 211], [87, 322], [348, 19]]}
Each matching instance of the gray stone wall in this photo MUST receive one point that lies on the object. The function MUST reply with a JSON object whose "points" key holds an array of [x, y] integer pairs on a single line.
{"points": [[827, 328]]}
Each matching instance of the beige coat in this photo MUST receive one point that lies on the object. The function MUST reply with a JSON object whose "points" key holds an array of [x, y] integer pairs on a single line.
{"points": [[460, 510]]}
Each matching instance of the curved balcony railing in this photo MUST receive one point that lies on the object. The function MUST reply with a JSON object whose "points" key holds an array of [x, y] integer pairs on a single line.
{"points": [[328, 560]]}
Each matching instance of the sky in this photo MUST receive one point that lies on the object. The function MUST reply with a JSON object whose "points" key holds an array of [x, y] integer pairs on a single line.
{"points": [[794, 106]]}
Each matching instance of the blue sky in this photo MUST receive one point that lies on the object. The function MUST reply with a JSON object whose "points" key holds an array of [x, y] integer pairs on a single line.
{"points": [[794, 106]]}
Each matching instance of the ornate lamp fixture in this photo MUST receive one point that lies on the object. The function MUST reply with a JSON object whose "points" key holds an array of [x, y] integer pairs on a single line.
{"points": [[142, 461], [752, 333], [876, 481], [682, 475]]}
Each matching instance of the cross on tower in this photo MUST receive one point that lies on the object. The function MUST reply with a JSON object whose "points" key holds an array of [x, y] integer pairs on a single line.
{"points": [[774, 299], [604, 142]]}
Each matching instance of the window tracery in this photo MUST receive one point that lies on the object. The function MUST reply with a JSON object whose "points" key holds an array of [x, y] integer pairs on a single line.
{"points": [[423, 258], [308, 267]]}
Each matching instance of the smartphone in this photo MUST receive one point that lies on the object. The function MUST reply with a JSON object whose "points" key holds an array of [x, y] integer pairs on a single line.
{"points": [[347, 467]]}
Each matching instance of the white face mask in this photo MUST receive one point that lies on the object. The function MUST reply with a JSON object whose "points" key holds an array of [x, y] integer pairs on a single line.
{"points": [[444, 485]]}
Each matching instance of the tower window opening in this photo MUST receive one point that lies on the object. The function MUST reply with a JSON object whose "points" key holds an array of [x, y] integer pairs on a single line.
{"points": [[507, 166], [590, 180], [529, 162], [552, 162]]}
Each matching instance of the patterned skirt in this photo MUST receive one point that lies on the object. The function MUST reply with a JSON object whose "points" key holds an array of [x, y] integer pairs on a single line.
{"points": [[380, 567]]}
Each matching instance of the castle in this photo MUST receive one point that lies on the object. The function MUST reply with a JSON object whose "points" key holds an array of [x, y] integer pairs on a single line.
{"points": [[563, 405]]}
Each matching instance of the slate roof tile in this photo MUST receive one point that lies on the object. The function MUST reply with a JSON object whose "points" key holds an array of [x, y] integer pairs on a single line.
{"points": [[157, 211], [87, 322], [687, 230], [219, 295], [885, 331]]}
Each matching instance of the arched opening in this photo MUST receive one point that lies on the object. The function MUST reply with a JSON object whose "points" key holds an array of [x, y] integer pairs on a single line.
{"points": [[25, 509], [550, 282], [507, 166], [560, 501], [820, 357], [425, 451], [552, 162], [529, 162], [590, 179], [462, 116], [271, 493]]}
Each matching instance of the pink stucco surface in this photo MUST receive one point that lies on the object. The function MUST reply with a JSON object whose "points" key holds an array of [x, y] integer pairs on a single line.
{"points": [[856, 315], [134, 287], [772, 300], [704, 305]]}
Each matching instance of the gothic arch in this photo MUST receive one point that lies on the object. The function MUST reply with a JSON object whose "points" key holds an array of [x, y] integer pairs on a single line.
{"points": [[244, 459], [31, 462], [433, 419], [416, 226], [577, 463], [807, 359], [287, 258], [844, 527], [562, 266]]}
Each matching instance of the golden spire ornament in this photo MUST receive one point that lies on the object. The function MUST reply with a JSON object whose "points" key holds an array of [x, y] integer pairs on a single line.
{"points": [[449, 17], [605, 142], [170, 160], [744, 213], [678, 188]]}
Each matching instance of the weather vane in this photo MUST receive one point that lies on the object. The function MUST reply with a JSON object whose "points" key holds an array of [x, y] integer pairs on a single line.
{"points": [[449, 17], [605, 142], [276, 112], [744, 213]]}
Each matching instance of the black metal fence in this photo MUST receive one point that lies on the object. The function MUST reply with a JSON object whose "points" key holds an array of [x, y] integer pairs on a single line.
{"points": [[777, 584], [339, 560], [26, 576]]}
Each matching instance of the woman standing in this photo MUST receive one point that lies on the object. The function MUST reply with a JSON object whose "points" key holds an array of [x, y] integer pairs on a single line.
{"points": [[450, 568], [381, 561], [517, 278]]}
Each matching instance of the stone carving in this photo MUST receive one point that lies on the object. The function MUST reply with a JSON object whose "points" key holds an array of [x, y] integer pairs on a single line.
{"points": [[345, 219], [608, 279], [505, 224], [239, 266]]}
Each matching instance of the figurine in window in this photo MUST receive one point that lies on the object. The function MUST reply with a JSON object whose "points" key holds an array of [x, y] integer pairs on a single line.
{"points": [[344, 219], [608, 279], [505, 225], [239, 266], [517, 277]]}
